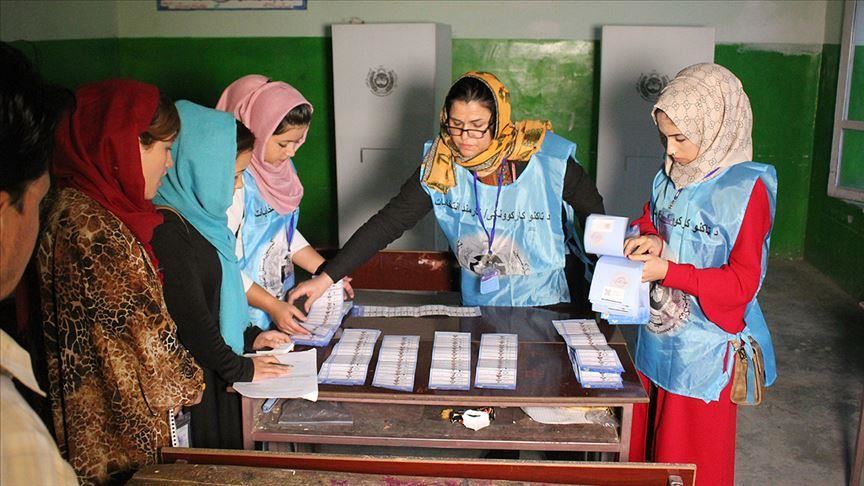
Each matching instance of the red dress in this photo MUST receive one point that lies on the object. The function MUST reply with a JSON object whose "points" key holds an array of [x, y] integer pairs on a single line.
{"points": [[684, 429]]}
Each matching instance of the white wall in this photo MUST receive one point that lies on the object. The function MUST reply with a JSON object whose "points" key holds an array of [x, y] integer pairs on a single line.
{"points": [[756, 22], [60, 19]]}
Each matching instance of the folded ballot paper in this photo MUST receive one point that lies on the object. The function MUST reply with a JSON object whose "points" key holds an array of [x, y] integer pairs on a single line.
{"points": [[325, 317], [617, 291]]}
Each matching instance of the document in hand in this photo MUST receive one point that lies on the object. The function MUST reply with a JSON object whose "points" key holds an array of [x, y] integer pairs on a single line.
{"points": [[324, 317], [617, 291], [302, 382]]}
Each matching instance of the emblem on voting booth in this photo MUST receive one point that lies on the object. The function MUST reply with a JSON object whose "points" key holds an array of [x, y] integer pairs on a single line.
{"points": [[381, 81], [650, 85]]}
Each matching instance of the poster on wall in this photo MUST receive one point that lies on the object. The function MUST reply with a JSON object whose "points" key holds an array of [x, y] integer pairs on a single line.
{"points": [[636, 64], [231, 4]]}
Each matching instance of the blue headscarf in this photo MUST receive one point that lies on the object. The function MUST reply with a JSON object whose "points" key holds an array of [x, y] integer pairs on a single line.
{"points": [[200, 187]]}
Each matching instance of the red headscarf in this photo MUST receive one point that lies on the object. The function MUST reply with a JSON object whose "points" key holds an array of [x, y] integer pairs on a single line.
{"points": [[97, 151]]}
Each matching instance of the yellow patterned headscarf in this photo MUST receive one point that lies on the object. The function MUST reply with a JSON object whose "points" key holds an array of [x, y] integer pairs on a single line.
{"points": [[511, 141]]}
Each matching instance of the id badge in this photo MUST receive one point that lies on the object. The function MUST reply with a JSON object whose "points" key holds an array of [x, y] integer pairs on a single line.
{"points": [[183, 420], [287, 285], [489, 282], [287, 278]]}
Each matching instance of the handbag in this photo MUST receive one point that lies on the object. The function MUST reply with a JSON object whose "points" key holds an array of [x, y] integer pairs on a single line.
{"points": [[748, 374]]}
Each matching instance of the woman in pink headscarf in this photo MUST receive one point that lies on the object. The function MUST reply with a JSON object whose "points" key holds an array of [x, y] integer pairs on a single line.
{"points": [[265, 212]]}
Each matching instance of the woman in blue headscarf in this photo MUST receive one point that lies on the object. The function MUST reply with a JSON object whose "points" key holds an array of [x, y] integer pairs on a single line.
{"points": [[203, 287]]}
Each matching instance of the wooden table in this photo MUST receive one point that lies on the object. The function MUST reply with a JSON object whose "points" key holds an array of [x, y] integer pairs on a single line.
{"points": [[545, 378], [211, 466]]}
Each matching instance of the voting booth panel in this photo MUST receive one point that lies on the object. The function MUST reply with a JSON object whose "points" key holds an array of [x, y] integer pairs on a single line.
{"points": [[390, 81], [636, 63]]}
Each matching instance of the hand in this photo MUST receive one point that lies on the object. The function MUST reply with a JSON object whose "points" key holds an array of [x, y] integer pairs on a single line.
{"points": [[655, 267], [312, 289], [285, 316], [269, 367], [650, 244], [270, 339], [349, 291], [195, 401]]}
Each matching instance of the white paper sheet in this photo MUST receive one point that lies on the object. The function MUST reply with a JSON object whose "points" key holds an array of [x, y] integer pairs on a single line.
{"points": [[283, 349], [302, 382], [604, 235], [558, 415]]}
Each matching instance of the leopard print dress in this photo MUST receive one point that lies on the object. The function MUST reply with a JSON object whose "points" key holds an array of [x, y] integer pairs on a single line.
{"points": [[114, 363]]}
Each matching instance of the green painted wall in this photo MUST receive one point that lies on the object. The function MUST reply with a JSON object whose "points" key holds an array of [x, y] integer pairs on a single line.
{"points": [[548, 80], [199, 69], [558, 80], [835, 229], [72, 63], [783, 90]]}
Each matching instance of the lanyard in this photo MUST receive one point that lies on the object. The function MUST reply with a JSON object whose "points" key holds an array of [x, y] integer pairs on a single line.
{"points": [[678, 192], [490, 236]]}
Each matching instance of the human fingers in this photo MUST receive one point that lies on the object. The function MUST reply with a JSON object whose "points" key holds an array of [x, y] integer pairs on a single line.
{"points": [[348, 289], [641, 258], [291, 327], [300, 290], [631, 245], [271, 370], [644, 246], [296, 313], [279, 337]]}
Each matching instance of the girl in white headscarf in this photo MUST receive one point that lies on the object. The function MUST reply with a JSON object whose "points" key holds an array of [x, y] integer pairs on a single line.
{"points": [[704, 241]]}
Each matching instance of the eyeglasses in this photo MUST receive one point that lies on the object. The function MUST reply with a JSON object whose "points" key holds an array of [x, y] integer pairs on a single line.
{"points": [[470, 132]]}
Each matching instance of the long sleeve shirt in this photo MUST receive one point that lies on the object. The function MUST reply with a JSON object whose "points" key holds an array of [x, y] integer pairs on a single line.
{"points": [[724, 292], [27, 450], [193, 281], [412, 203]]}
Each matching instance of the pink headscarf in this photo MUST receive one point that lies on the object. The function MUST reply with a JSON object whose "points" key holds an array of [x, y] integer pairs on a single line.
{"points": [[261, 105]]}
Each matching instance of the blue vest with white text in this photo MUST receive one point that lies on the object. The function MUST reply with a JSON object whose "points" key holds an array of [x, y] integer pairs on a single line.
{"points": [[266, 247], [530, 243], [684, 353]]}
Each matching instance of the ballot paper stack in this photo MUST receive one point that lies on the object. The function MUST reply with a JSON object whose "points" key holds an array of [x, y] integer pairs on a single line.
{"points": [[451, 361], [594, 362], [496, 362], [617, 291], [348, 363], [415, 311], [397, 362], [324, 317]]}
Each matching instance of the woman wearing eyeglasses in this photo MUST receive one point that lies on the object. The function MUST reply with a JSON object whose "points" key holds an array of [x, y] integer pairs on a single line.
{"points": [[505, 194]]}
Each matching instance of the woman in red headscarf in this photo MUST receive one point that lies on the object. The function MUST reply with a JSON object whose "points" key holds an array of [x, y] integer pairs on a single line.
{"points": [[116, 369]]}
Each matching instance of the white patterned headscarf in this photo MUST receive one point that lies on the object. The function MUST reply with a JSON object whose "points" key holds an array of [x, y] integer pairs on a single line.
{"points": [[708, 104]]}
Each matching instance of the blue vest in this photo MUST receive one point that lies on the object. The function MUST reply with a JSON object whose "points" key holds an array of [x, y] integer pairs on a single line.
{"points": [[529, 244], [685, 353], [266, 247]]}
